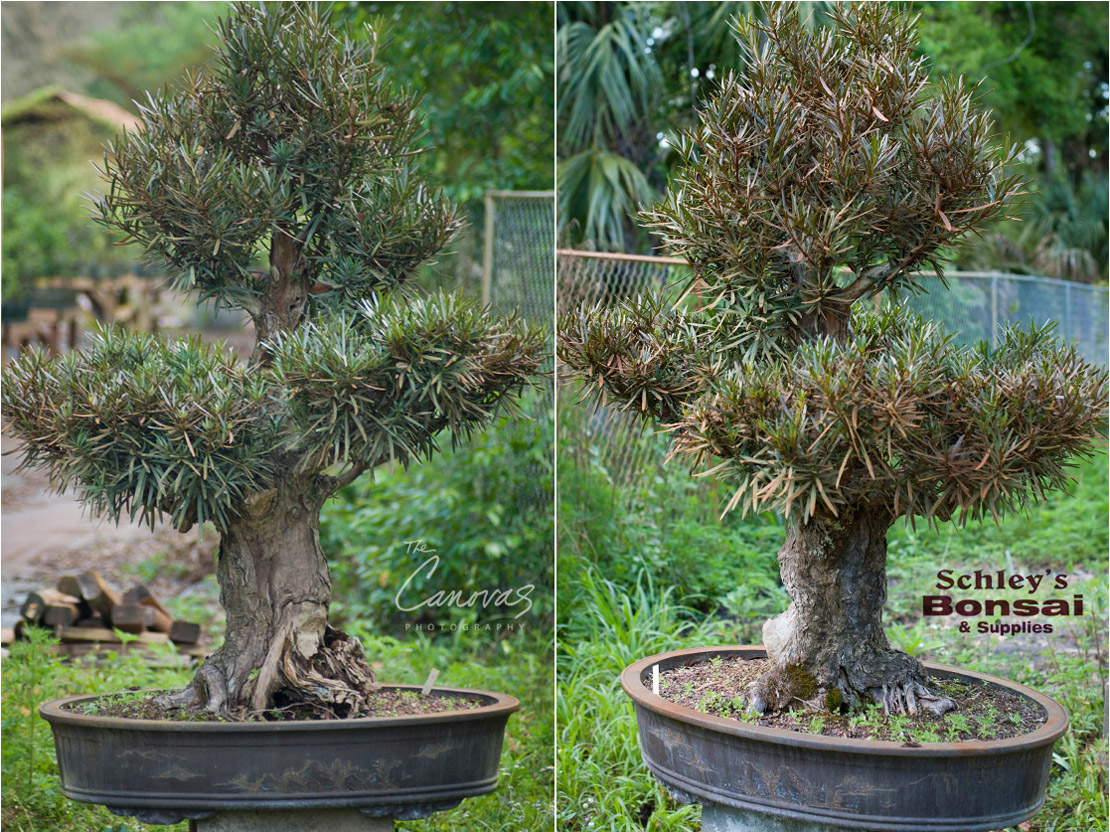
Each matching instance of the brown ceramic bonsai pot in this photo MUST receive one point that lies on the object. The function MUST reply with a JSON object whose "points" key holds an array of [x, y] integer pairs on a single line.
{"points": [[390, 767], [846, 783]]}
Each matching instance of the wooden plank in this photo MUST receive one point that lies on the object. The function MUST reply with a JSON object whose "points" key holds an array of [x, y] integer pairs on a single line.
{"points": [[33, 608], [141, 594], [162, 620], [98, 593], [77, 634], [36, 604], [131, 618], [64, 614], [184, 632], [84, 648], [69, 585], [635, 258], [183, 657]]}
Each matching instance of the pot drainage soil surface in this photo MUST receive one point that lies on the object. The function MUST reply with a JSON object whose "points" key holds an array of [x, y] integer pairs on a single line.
{"points": [[983, 711], [383, 703]]}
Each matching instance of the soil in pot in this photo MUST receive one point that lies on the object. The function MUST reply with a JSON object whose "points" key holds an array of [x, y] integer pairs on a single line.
{"points": [[983, 711], [387, 702]]}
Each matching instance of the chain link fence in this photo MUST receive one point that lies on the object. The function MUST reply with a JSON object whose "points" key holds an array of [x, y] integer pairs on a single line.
{"points": [[623, 447], [977, 304], [518, 275], [518, 264], [519, 254], [974, 308]]}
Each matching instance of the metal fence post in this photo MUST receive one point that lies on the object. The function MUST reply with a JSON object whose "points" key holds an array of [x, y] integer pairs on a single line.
{"points": [[1067, 312], [994, 310], [487, 250]]}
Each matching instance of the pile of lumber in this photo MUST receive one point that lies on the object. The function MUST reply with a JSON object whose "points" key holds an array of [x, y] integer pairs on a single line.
{"points": [[85, 609]]}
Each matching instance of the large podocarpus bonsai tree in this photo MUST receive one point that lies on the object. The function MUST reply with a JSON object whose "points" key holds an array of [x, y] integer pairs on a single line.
{"points": [[824, 171], [294, 152]]}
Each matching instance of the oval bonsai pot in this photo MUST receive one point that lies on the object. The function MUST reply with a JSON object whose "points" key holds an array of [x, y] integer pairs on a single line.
{"points": [[857, 784], [164, 771]]}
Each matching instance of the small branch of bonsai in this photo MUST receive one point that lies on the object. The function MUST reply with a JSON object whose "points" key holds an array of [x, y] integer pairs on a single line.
{"points": [[330, 484], [863, 284]]}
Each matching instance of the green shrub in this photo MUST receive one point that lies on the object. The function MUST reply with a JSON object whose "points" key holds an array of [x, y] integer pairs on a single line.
{"points": [[667, 528], [484, 510], [34, 243]]}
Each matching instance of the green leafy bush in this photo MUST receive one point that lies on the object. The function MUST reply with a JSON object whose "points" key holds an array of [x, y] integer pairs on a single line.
{"points": [[34, 243], [32, 796], [653, 529], [483, 510]]}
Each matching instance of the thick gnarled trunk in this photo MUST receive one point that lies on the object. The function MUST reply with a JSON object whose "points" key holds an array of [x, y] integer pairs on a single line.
{"points": [[829, 649], [274, 585]]}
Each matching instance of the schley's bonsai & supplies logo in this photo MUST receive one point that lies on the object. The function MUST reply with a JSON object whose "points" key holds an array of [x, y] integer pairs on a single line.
{"points": [[1012, 597], [417, 596]]}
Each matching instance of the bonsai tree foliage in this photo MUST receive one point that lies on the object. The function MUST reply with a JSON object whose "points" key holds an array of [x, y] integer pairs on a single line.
{"points": [[296, 151], [824, 171]]}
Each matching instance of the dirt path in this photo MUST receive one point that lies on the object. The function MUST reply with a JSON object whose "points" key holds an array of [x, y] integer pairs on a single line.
{"points": [[44, 535]]}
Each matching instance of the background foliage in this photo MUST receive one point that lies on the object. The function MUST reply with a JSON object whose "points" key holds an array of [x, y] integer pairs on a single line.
{"points": [[486, 76], [486, 72], [116, 52], [483, 508]]}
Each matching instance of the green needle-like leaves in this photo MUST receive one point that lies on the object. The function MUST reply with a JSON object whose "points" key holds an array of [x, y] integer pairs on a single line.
{"points": [[143, 428], [296, 133], [898, 418], [282, 182], [826, 168], [380, 383]]}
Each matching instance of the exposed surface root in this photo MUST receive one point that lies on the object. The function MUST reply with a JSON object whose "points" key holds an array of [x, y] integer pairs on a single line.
{"points": [[332, 681], [780, 688], [178, 699], [783, 688], [910, 698], [336, 678]]}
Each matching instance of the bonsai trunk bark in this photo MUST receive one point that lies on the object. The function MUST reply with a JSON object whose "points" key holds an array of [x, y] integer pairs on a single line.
{"points": [[829, 648], [282, 308], [274, 584]]}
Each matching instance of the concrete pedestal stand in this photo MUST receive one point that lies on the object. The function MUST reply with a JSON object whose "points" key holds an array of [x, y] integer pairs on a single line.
{"points": [[716, 818], [292, 820]]}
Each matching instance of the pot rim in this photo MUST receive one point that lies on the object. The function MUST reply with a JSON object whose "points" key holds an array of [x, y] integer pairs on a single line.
{"points": [[503, 705], [1055, 725]]}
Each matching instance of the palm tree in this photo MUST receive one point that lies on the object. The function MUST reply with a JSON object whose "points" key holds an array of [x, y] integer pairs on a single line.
{"points": [[629, 74]]}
